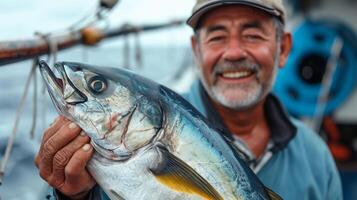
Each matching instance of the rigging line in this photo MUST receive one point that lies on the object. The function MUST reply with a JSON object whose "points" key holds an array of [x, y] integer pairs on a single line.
{"points": [[76, 25], [106, 24], [16, 124], [97, 16], [326, 83], [91, 17], [138, 50], [35, 101], [126, 52], [51, 58], [100, 14], [52, 46]]}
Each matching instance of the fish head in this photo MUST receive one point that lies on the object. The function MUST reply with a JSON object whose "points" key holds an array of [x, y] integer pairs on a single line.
{"points": [[111, 106]]}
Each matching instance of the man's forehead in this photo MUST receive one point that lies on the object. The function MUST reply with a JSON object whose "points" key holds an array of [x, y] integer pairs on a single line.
{"points": [[233, 13]]}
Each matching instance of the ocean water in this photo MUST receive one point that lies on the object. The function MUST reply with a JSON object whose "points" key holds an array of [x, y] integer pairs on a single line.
{"points": [[169, 65]]}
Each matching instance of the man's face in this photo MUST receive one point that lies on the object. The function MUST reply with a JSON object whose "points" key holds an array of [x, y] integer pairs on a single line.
{"points": [[238, 55]]}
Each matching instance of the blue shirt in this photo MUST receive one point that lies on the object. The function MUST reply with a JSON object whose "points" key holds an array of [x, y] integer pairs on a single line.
{"points": [[301, 166]]}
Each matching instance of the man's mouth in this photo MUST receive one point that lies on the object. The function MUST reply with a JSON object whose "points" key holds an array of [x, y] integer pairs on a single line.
{"points": [[237, 74]]}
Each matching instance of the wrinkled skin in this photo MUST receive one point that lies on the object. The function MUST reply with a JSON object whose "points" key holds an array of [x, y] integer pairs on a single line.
{"points": [[242, 43], [63, 155], [238, 39]]}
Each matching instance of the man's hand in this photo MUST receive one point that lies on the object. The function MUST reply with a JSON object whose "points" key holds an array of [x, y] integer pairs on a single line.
{"points": [[62, 158]]}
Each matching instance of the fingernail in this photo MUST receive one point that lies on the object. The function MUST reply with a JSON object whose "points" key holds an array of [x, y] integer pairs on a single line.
{"points": [[82, 133], [72, 125], [86, 147]]}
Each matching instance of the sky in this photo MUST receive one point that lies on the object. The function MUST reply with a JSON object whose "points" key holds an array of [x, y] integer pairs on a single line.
{"points": [[21, 18]]}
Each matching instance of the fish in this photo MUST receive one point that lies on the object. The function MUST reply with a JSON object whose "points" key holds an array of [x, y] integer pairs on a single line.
{"points": [[149, 142]]}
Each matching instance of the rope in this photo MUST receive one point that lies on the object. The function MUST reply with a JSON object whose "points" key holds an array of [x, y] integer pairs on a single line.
{"points": [[16, 124], [34, 113], [126, 52], [52, 45], [138, 51]]}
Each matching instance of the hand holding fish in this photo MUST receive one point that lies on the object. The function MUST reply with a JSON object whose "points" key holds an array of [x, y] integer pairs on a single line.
{"points": [[62, 158]]}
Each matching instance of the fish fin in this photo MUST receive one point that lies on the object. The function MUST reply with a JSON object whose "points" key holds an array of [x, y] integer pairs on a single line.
{"points": [[177, 175], [272, 194], [114, 195]]}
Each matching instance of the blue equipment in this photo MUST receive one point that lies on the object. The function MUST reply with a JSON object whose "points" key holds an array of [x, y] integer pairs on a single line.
{"points": [[299, 82]]}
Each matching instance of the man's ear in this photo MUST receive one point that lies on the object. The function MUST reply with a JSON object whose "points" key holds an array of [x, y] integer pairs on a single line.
{"points": [[285, 47], [194, 45]]}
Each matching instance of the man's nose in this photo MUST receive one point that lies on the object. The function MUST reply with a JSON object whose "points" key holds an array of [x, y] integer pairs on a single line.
{"points": [[234, 51]]}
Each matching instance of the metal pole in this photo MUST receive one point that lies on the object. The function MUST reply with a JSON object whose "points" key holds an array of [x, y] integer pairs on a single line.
{"points": [[20, 50]]}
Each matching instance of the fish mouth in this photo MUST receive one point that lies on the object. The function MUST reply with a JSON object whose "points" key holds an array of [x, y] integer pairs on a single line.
{"points": [[58, 85]]}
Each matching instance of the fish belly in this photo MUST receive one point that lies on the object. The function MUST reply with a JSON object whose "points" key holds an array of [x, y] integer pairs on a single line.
{"points": [[132, 179]]}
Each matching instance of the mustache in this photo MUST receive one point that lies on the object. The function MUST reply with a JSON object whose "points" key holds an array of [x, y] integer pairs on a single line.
{"points": [[224, 66]]}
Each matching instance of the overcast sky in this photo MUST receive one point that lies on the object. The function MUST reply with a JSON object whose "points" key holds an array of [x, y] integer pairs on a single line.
{"points": [[21, 18]]}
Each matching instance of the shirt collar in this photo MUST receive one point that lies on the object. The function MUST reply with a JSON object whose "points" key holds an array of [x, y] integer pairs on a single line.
{"points": [[281, 128]]}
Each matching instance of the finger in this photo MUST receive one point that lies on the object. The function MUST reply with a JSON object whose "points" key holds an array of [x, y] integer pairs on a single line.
{"points": [[76, 174], [62, 137], [54, 127], [63, 156], [78, 162]]}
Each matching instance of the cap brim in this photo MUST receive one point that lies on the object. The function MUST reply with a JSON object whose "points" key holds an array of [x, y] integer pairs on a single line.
{"points": [[193, 20]]}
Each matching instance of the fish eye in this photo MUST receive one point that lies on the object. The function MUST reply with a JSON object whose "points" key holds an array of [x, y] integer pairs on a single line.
{"points": [[97, 84]]}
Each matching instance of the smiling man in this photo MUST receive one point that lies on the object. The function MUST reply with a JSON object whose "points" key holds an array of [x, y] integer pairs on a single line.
{"points": [[239, 50], [239, 47]]}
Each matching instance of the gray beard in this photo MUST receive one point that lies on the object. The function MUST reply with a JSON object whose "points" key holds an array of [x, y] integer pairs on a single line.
{"points": [[248, 95], [251, 94]]}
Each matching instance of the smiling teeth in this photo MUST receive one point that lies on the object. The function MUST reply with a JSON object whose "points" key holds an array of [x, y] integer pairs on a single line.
{"points": [[236, 74]]}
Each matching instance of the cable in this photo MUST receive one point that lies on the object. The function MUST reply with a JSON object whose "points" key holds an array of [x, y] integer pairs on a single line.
{"points": [[16, 124]]}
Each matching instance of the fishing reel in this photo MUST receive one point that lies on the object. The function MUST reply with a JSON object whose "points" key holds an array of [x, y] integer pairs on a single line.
{"points": [[299, 83]]}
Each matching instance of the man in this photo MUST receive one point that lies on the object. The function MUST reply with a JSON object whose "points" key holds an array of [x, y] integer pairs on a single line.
{"points": [[239, 46]]}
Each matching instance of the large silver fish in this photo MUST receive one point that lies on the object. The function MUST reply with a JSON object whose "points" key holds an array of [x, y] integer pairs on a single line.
{"points": [[150, 143]]}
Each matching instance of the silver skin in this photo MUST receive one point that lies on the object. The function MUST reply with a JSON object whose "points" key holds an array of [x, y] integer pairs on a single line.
{"points": [[137, 126]]}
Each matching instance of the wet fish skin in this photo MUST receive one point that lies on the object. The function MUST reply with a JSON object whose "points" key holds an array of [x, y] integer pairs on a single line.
{"points": [[150, 143]]}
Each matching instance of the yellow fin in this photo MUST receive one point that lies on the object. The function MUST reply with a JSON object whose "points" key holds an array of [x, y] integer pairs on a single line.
{"points": [[273, 195], [179, 176]]}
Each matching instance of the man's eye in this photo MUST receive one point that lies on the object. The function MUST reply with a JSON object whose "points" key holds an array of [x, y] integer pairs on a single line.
{"points": [[253, 37], [216, 38]]}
